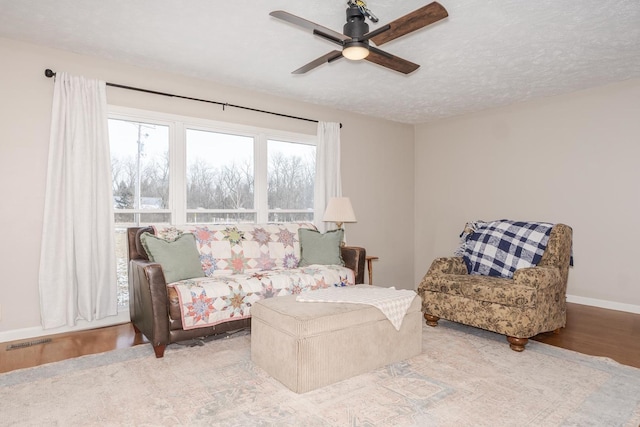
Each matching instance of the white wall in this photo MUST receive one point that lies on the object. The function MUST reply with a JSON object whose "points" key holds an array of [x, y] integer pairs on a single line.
{"points": [[377, 163], [571, 159]]}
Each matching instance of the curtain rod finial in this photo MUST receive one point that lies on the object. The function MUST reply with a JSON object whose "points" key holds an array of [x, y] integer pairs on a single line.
{"points": [[49, 73]]}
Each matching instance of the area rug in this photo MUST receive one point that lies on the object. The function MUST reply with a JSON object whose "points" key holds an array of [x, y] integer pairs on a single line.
{"points": [[464, 377]]}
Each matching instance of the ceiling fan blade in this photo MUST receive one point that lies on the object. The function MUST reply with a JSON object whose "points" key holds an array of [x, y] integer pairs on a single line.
{"points": [[372, 34], [329, 57], [426, 15], [390, 61], [315, 28]]}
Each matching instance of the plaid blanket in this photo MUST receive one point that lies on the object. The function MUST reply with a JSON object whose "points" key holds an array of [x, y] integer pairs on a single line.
{"points": [[499, 248]]}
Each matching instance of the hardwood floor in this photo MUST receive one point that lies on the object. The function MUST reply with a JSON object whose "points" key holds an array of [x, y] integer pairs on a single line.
{"points": [[66, 346], [590, 330], [599, 332]]}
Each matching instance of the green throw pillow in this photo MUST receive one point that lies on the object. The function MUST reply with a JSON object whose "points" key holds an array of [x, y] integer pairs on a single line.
{"points": [[179, 258], [318, 248]]}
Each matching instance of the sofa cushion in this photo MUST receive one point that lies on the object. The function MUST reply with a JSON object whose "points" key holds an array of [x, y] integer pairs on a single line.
{"points": [[179, 257], [499, 248], [482, 288], [320, 248]]}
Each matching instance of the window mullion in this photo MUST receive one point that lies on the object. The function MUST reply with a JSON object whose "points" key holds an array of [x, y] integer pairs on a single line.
{"points": [[261, 159], [179, 173]]}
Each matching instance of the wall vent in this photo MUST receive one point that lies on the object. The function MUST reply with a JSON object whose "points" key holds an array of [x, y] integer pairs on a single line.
{"points": [[28, 344]]}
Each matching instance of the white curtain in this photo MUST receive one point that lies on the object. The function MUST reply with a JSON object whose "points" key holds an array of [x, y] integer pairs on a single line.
{"points": [[77, 277], [328, 183]]}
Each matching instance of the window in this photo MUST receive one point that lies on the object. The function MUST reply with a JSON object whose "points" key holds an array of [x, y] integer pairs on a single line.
{"points": [[220, 177], [140, 171], [177, 170], [290, 181]]}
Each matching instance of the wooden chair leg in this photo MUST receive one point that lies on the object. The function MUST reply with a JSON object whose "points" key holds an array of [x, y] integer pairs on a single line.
{"points": [[517, 344], [159, 350], [431, 320]]}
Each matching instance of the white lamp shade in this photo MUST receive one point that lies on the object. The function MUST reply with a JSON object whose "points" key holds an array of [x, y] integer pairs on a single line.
{"points": [[339, 210]]}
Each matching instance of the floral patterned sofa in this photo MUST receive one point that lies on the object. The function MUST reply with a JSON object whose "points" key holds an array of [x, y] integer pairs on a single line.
{"points": [[240, 263], [531, 302]]}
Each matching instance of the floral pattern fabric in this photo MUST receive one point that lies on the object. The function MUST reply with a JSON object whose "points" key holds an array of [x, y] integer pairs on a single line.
{"points": [[208, 301], [533, 301]]}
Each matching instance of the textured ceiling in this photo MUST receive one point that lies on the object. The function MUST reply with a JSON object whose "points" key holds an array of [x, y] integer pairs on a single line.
{"points": [[485, 54]]}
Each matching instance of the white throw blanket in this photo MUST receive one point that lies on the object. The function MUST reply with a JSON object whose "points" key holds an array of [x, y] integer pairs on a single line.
{"points": [[393, 303]]}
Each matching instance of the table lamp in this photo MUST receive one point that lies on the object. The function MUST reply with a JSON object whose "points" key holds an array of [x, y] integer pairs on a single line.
{"points": [[339, 210]]}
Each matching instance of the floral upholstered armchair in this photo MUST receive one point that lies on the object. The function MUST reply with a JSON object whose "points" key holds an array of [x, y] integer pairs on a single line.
{"points": [[525, 303]]}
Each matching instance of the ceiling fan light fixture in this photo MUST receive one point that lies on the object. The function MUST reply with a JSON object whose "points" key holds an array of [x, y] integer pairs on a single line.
{"points": [[355, 36], [356, 51]]}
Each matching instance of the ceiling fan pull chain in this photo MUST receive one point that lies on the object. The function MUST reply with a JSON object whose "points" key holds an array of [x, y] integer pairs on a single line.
{"points": [[362, 6]]}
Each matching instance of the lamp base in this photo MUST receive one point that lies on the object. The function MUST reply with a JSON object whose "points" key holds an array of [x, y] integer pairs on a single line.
{"points": [[343, 243]]}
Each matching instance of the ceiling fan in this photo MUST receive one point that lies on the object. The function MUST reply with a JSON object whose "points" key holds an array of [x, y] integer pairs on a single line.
{"points": [[355, 35]]}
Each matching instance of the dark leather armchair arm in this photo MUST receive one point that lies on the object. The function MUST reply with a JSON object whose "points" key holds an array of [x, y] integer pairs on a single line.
{"points": [[354, 258], [148, 302], [148, 298]]}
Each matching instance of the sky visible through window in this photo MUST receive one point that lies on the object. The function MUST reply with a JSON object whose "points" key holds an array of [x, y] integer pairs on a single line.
{"points": [[123, 136], [214, 147]]}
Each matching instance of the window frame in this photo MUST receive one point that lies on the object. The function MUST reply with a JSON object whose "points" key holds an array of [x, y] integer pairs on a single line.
{"points": [[178, 125]]}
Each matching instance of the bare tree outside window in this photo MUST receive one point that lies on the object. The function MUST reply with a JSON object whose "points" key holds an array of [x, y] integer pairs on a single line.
{"points": [[290, 180], [139, 165], [140, 180], [220, 176]]}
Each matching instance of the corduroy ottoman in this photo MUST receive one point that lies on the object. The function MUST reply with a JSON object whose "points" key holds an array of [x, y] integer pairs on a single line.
{"points": [[307, 345]]}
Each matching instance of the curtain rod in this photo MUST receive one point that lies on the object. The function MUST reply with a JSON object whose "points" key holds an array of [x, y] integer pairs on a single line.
{"points": [[50, 73]]}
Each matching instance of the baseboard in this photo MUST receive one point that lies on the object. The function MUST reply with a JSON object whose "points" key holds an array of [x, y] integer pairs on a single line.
{"points": [[611, 305], [82, 325]]}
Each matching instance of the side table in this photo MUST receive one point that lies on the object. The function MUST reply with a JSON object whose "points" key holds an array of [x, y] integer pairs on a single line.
{"points": [[370, 258]]}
